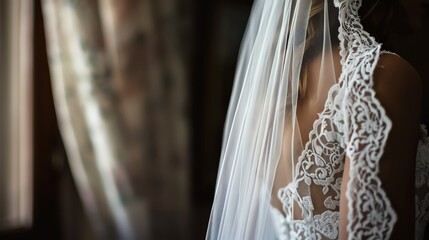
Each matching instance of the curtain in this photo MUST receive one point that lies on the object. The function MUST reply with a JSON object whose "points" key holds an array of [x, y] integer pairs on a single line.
{"points": [[15, 114], [119, 83]]}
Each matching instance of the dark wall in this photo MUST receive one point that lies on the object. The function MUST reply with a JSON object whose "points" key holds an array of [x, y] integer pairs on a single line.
{"points": [[218, 30]]}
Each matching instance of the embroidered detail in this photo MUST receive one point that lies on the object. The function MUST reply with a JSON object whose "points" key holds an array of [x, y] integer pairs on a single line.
{"points": [[327, 224], [353, 123], [422, 184], [338, 2]]}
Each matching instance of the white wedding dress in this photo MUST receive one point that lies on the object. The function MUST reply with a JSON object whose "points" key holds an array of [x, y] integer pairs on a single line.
{"points": [[322, 163], [271, 185], [352, 116]]}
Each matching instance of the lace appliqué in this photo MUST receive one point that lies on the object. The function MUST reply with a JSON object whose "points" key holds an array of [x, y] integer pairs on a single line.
{"points": [[353, 122], [370, 212], [321, 164], [422, 184]]}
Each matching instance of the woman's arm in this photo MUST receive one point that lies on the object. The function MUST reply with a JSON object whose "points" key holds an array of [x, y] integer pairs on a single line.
{"points": [[398, 88]]}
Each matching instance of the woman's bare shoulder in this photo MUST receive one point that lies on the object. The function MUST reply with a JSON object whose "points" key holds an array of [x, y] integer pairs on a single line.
{"points": [[397, 86], [395, 76]]}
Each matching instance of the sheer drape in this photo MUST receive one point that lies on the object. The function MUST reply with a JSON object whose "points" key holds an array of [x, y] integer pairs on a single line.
{"points": [[114, 73]]}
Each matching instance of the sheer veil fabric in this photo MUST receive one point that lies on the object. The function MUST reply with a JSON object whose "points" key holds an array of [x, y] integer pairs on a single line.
{"points": [[302, 100]]}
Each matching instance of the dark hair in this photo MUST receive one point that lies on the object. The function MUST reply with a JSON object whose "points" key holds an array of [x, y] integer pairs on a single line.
{"points": [[376, 17]]}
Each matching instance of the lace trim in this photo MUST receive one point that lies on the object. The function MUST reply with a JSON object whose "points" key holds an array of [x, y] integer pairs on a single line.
{"points": [[370, 212], [353, 111], [422, 184]]}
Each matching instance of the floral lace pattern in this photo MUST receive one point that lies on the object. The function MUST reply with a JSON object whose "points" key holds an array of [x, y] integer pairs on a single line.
{"points": [[370, 212], [320, 164], [422, 184], [353, 123]]}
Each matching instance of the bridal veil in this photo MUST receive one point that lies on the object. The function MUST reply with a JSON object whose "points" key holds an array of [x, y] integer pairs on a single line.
{"points": [[298, 52]]}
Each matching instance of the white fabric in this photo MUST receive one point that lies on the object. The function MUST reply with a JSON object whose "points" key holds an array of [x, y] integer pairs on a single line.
{"points": [[326, 223], [273, 184]]}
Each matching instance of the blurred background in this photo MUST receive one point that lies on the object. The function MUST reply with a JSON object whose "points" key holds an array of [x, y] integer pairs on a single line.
{"points": [[112, 111]]}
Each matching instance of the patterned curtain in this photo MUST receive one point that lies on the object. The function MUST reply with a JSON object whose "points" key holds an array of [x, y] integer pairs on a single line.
{"points": [[118, 77]]}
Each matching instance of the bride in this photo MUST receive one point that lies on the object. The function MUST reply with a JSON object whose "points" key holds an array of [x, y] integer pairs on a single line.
{"points": [[323, 138]]}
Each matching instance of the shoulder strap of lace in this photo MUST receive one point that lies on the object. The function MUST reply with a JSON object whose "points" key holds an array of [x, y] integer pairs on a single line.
{"points": [[367, 128]]}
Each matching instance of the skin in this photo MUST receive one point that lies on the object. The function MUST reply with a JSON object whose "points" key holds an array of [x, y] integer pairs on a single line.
{"points": [[398, 88]]}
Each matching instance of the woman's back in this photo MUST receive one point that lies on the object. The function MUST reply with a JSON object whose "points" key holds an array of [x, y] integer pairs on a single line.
{"points": [[323, 166], [322, 131]]}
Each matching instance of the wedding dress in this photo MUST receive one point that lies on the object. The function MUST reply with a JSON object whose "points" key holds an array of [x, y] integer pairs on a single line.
{"points": [[326, 223], [271, 184]]}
